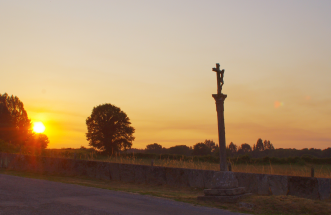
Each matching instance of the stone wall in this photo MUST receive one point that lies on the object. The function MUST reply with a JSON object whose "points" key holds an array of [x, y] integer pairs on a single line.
{"points": [[260, 184]]}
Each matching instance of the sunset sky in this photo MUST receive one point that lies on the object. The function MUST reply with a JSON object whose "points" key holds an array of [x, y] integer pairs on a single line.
{"points": [[154, 60]]}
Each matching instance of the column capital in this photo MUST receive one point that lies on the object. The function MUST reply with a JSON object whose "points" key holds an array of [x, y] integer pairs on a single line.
{"points": [[219, 97]]}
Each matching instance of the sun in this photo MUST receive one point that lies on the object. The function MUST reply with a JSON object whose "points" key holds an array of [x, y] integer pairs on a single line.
{"points": [[38, 127]]}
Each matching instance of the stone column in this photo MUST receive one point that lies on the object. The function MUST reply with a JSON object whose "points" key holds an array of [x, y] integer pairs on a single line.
{"points": [[224, 184], [219, 99]]}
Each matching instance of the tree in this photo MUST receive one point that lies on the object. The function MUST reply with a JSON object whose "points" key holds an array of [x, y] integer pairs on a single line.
{"points": [[245, 148], [14, 124], [154, 146], [180, 150], [216, 151], [37, 143], [41, 141], [233, 147], [6, 124], [268, 145], [7, 147], [259, 145], [201, 149], [211, 144], [108, 129]]}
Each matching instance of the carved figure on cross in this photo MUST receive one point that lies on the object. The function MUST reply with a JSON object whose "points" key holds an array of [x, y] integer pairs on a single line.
{"points": [[220, 75]]}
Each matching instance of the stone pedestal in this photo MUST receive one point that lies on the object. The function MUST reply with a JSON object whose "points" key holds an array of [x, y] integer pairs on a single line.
{"points": [[224, 188]]}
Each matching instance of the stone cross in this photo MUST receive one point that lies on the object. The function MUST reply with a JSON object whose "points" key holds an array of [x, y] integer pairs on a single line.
{"points": [[219, 99]]}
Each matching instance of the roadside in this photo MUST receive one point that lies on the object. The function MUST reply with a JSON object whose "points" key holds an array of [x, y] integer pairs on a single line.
{"points": [[287, 205]]}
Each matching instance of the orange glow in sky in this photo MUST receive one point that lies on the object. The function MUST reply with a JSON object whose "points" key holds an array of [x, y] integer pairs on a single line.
{"points": [[154, 60], [278, 104]]}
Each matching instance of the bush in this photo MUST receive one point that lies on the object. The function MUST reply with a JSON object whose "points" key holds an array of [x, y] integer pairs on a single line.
{"points": [[8, 148]]}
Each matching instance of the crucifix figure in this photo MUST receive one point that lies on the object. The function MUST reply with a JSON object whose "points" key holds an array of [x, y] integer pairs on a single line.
{"points": [[219, 75]]}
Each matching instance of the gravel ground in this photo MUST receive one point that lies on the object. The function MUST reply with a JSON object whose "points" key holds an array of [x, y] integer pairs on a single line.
{"points": [[33, 196]]}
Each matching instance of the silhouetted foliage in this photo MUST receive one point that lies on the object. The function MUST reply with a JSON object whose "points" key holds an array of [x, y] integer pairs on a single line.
{"points": [[15, 126], [6, 124], [244, 148], [232, 147], [216, 151], [37, 143], [135, 150], [154, 146], [84, 153], [201, 149], [180, 150], [267, 145], [108, 129], [7, 147], [208, 147], [41, 141], [326, 153], [269, 151], [211, 145], [259, 145]]}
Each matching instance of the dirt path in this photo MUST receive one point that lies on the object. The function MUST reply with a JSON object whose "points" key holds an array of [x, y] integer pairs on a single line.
{"points": [[33, 196]]}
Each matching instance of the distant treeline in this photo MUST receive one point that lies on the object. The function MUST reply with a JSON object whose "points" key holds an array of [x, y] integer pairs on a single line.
{"points": [[262, 152], [86, 153], [288, 158], [261, 149]]}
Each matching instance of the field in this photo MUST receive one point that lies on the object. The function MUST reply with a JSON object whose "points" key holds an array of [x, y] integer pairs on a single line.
{"points": [[321, 170]]}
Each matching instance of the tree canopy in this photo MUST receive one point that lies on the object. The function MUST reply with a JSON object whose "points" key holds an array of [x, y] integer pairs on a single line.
{"points": [[210, 143], [245, 148], [6, 124], [259, 145], [208, 147], [180, 150], [232, 147], [267, 145], [201, 149], [37, 143], [109, 129], [15, 125], [16, 128], [154, 146]]}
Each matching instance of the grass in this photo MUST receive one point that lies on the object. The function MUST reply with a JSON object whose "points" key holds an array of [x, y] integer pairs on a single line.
{"points": [[264, 205], [321, 171]]}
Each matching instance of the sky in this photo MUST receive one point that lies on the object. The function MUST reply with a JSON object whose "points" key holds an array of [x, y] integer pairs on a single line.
{"points": [[154, 59]]}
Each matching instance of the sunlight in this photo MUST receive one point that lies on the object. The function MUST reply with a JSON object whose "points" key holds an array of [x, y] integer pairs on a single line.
{"points": [[38, 127]]}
